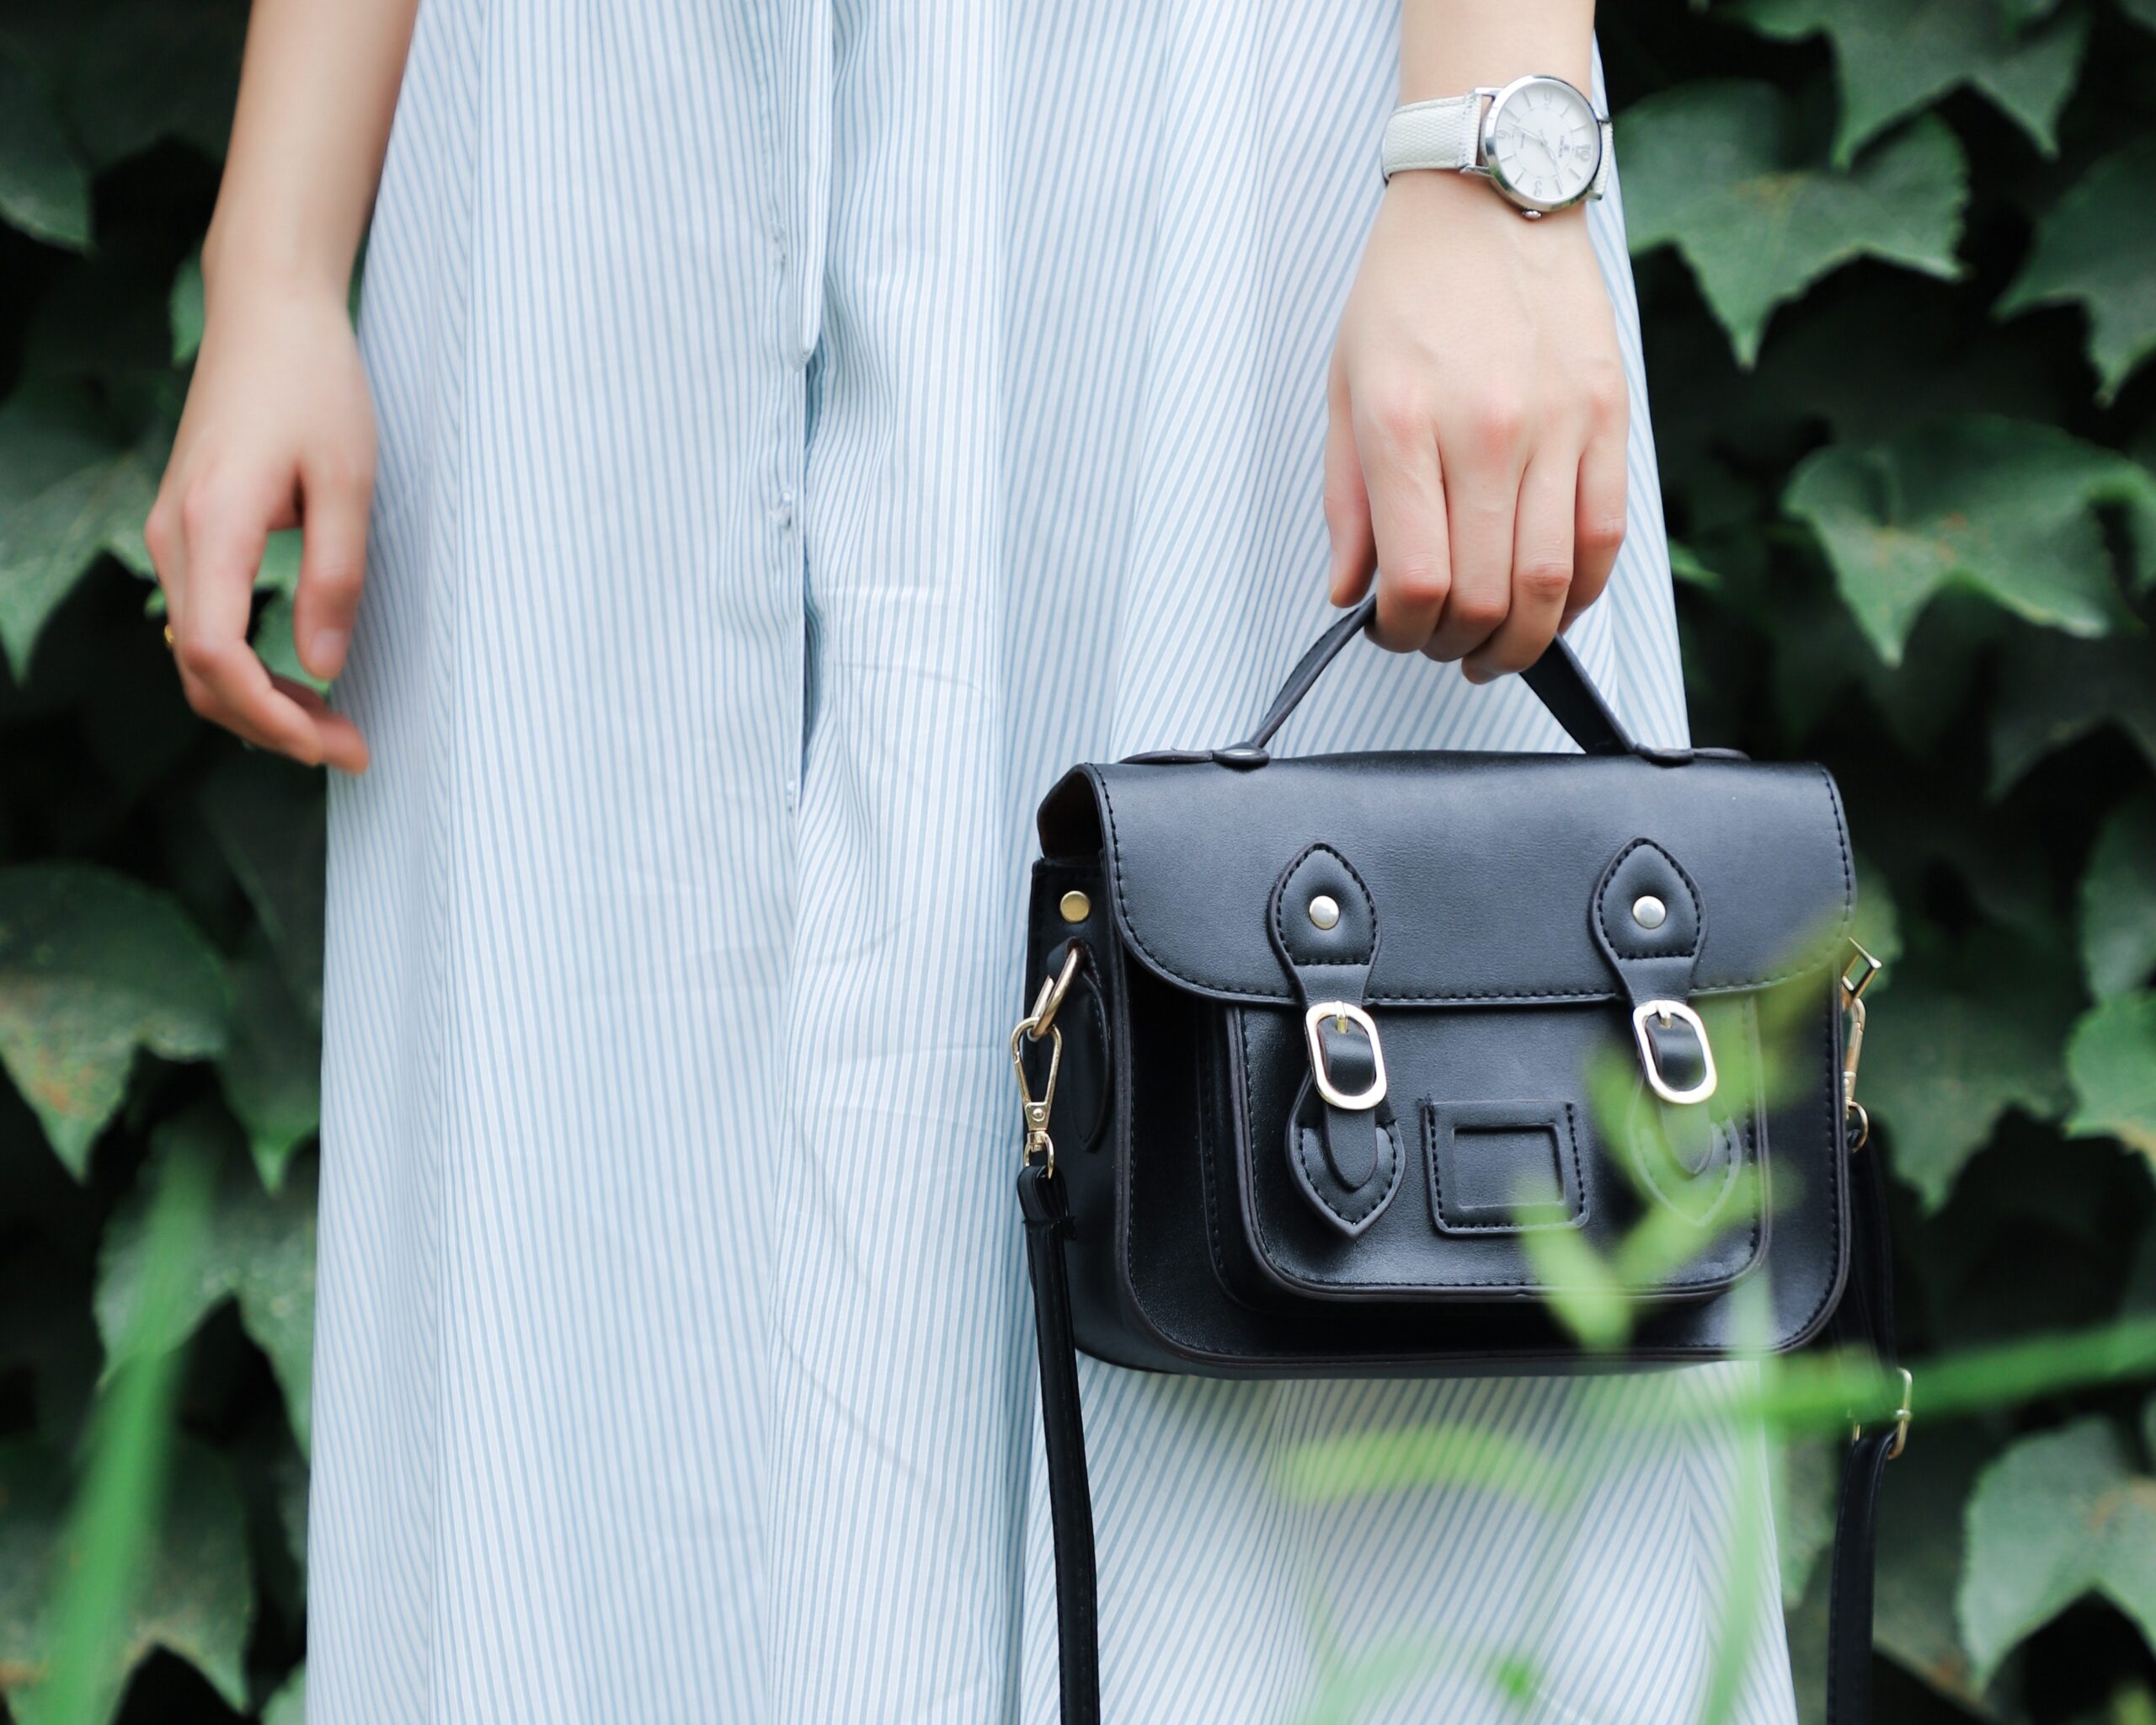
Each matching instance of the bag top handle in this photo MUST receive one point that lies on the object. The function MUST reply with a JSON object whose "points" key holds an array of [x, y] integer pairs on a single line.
{"points": [[1557, 679]]}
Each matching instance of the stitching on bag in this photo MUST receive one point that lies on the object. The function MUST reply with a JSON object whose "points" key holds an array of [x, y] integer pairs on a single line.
{"points": [[1571, 1137], [1464, 996], [1280, 899], [1305, 1138], [1691, 886], [1834, 1164], [1841, 843]]}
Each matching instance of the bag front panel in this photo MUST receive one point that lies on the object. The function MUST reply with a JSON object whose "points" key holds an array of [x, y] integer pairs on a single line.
{"points": [[1507, 1127], [1223, 1222]]}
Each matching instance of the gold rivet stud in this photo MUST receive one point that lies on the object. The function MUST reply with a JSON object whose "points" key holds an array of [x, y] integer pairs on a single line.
{"points": [[1076, 907], [1325, 910], [1649, 911]]}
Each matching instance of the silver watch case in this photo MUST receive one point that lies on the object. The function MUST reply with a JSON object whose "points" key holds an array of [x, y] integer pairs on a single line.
{"points": [[1486, 164]]}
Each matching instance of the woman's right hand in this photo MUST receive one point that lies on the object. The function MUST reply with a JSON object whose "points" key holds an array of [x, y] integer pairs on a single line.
{"points": [[278, 432]]}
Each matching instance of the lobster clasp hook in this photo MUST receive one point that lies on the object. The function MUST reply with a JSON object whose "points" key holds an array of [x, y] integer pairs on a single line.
{"points": [[1857, 976], [1033, 1110]]}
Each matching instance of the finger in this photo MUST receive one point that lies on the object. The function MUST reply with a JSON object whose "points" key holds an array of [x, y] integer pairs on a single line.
{"points": [[1347, 501], [1397, 446], [1542, 568], [341, 743], [1598, 528], [1482, 498], [225, 537], [332, 564]]}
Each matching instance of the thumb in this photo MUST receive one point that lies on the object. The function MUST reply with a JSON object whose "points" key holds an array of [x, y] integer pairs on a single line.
{"points": [[333, 566]]}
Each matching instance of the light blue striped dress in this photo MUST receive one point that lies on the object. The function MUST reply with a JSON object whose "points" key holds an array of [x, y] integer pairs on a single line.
{"points": [[805, 429]]}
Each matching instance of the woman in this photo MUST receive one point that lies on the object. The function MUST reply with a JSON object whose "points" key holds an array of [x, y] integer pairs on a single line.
{"points": [[779, 437]]}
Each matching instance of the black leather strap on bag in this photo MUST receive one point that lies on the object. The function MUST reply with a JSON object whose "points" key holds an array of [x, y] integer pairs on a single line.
{"points": [[1071, 1496], [1849, 1617], [1556, 678]]}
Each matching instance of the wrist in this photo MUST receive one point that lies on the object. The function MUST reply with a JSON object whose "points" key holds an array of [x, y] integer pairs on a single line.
{"points": [[1447, 198], [253, 261]]}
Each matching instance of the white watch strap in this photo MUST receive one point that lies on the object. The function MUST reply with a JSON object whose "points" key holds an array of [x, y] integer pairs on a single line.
{"points": [[1436, 134]]}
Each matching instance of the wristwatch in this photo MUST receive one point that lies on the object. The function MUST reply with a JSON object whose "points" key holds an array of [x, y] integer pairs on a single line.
{"points": [[1539, 140]]}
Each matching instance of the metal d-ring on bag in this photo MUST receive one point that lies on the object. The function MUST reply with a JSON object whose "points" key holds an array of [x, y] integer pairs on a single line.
{"points": [[1320, 1043]]}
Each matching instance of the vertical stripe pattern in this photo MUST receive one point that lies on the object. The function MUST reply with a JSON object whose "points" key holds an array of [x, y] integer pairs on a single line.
{"points": [[807, 426]]}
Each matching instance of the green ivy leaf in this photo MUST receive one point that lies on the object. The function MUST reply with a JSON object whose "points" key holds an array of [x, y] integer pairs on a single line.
{"points": [[291, 1489], [258, 1251], [2052, 692], [1952, 1057], [2096, 248], [270, 818], [45, 189], [1893, 57], [184, 309], [1878, 924], [277, 646], [93, 967], [288, 1707], [1685, 565], [1869, 360], [65, 495], [2057, 1516], [2000, 507], [2118, 899], [272, 1066], [1709, 168], [1919, 1565], [195, 1599], [146, 70], [46, 1331], [33, 1503], [2112, 1061]]}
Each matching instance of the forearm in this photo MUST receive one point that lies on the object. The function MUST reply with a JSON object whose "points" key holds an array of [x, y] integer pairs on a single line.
{"points": [[1449, 46], [317, 89]]}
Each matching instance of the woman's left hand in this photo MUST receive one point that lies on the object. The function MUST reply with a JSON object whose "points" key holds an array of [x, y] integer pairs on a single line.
{"points": [[1475, 458]]}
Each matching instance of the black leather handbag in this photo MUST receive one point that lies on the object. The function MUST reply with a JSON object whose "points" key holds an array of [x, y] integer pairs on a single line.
{"points": [[1322, 1045]]}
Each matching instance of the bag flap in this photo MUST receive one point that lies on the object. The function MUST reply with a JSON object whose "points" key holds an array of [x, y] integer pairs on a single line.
{"points": [[1482, 868]]}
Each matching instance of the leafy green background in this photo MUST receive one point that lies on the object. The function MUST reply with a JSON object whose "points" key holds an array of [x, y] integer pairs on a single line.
{"points": [[1898, 263]]}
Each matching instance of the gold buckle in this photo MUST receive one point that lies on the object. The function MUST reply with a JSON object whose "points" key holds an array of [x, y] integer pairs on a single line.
{"points": [[1668, 1011], [1342, 1014], [1856, 977], [1901, 1418], [1033, 1110]]}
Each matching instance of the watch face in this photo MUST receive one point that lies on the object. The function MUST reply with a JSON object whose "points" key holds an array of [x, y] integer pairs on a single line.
{"points": [[1542, 143]]}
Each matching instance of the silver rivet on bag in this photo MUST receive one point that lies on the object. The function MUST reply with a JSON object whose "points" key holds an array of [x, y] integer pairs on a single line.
{"points": [[1649, 911], [1325, 910]]}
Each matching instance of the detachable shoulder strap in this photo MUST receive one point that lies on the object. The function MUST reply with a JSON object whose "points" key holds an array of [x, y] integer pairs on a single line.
{"points": [[1866, 1316], [1070, 1493]]}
